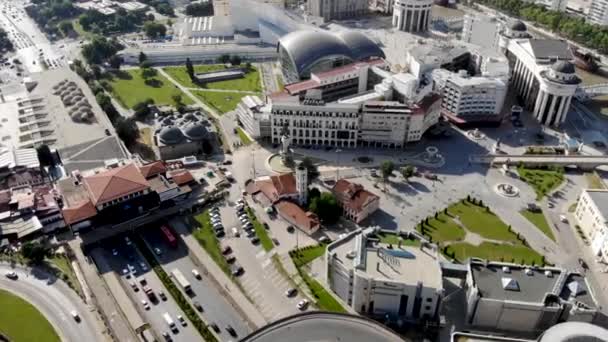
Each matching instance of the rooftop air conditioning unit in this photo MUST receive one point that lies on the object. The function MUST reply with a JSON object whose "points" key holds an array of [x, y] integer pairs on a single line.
{"points": [[506, 269]]}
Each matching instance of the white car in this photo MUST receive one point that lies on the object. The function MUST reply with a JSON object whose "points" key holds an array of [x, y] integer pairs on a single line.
{"points": [[563, 218], [157, 251], [143, 266], [114, 252], [128, 241], [145, 304], [303, 304], [181, 320]]}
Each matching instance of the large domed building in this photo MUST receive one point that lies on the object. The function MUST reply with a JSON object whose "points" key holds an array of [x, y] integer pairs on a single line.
{"points": [[304, 52], [180, 135]]}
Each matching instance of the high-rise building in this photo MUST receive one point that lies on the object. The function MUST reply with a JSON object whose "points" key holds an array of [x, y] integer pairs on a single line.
{"points": [[337, 9], [412, 15], [302, 184], [598, 12]]}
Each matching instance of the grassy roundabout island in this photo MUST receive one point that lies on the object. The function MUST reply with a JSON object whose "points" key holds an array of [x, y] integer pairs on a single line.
{"points": [[20, 321]]}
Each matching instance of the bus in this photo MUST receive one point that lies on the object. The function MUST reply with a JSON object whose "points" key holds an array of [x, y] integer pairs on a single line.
{"points": [[181, 280], [169, 236]]}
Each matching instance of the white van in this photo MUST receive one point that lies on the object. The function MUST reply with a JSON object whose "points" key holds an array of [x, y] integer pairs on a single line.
{"points": [[196, 274], [169, 321], [235, 232]]}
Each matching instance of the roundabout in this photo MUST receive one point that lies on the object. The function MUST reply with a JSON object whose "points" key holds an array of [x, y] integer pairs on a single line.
{"points": [[506, 190]]}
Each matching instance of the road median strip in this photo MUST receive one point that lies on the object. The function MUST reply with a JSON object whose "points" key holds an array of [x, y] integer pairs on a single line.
{"points": [[177, 295]]}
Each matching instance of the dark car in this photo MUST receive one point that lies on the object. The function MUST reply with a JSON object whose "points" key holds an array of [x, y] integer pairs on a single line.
{"points": [[162, 296], [255, 240], [227, 162], [290, 229], [231, 259], [227, 250], [275, 241], [198, 306], [266, 226], [237, 271], [231, 331], [583, 263], [214, 327], [108, 132]]}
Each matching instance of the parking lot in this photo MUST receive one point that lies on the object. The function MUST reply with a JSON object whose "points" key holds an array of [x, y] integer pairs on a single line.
{"points": [[261, 280], [216, 309], [125, 260]]}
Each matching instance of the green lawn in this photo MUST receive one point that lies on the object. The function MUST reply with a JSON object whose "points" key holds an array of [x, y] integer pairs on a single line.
{"points": [[129, 88], [63, 264], [496, 252], [538, 219], [594, 181], [307, 254], [481, 221], [244, 138], [542, 181], [323, 299], [22, 322], [221, 101], [206, 238], [443, 228], [260, 231], [251, 81]]}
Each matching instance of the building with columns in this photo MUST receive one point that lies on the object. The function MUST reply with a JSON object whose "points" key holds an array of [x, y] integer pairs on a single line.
{"points": [[412, 15], [543, 73]]}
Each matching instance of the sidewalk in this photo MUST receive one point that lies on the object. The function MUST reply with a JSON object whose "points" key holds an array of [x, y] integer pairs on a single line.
{"points": [[102, 298], [229, 290]]}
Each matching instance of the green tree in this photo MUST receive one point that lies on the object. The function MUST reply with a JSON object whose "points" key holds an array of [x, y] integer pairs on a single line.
{"points": [[235, 60], [127, 130], [115, 62], [223, 59], [190, 69], [146, 71], [66, 28], [35, 252], [142, 57], [177, 99], [326, 207], [200, 9], [141, 110], [386, 169], [154, 30], [313, 193], [100, 49], [407, 172], [45, 156]]}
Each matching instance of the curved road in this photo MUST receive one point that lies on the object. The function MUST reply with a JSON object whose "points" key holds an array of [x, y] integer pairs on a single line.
{"points": [[55, 300]]}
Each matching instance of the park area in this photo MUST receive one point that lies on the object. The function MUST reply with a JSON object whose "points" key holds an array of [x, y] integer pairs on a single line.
{"points": [[130, 87], [543, 181], [223, 101], [469, 229], [22, 322], [251, 81], [538, 219]]}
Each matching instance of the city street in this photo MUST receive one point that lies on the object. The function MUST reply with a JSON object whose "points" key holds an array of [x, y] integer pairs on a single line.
{"points": [[56, 301], [216, 308], [129, 256]]}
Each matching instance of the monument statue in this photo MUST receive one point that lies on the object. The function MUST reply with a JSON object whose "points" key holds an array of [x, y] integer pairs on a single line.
{"points": [[285, 142]]}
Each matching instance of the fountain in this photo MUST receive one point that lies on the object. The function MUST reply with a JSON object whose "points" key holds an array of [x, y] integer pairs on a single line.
{"points": [[506, 190]]}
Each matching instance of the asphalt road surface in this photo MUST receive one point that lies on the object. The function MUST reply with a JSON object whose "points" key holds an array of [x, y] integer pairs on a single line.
{"points": [[55, 300], [216, 309], [128, 255]]}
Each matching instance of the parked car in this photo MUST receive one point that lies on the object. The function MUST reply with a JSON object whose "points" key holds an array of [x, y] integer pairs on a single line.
{"points": [[237, 271], [167, 336], [563, 218], [114, 252], [145, 304], [196, 274], [303, 304], [162, 296], [198, 306], [230, 259], [583, 263], [291, 292], [157, 251], [255, 240], [181, 320], [276, 242], [75, 316], [291, 229], [214, 327], [266, 226], [235, 232], [12, 275], [227, 250], [231, 331], [143, 266], [128, 241]]}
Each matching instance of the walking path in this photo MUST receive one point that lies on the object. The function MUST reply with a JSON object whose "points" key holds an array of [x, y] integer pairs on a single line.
{"points": [[186, 91], [224, 90]]}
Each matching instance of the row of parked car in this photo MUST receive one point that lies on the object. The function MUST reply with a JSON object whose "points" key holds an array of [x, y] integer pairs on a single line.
{"points": [[247, 225]]}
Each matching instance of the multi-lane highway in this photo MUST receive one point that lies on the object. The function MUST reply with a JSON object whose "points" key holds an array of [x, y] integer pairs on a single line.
{"points": [[216, 308], [56, 301]]}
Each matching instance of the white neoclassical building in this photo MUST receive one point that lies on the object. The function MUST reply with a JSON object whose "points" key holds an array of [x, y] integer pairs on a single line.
{"points": [[412, 15], [592, 214], [543, 73]]}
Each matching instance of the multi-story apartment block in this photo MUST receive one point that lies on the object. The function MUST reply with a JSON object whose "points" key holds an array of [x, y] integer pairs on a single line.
{"points": [[337, 9], [592, 215], [598, 12]]}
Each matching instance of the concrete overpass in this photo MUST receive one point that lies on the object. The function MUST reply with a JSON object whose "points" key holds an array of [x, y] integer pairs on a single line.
{"points": [[583, 162]]}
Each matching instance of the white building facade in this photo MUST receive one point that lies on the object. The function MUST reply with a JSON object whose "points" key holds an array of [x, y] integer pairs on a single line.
{"points": [[598, 12], [254, 116], [412, 15], [591, 213], [543, 73], [401, 284]]}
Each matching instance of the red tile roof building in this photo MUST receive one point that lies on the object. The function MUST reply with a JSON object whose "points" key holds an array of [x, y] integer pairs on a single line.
{"points": [[306, 221], [278, 187], [152, 169], [356, 202], [114, 185]]}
